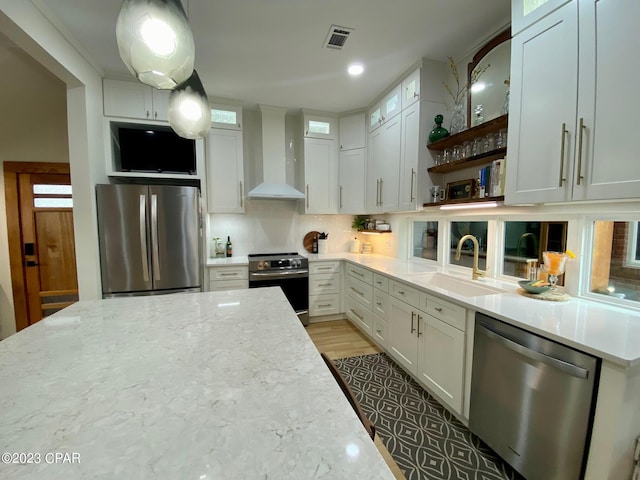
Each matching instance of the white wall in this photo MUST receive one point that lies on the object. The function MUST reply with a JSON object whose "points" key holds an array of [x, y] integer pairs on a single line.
{"points": [[25, 25]]}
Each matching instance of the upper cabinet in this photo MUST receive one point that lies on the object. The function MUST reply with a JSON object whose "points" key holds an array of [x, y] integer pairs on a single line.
{"points": [[352, 168], [352, 131], [134, 100], [228, 117], [411, 89], [386, 109], [316, 126], [565, 105], [526, 12], [225, 171]]}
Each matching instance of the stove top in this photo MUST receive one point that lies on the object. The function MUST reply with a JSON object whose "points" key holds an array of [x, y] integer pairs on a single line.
{"points": [[277, 261]]}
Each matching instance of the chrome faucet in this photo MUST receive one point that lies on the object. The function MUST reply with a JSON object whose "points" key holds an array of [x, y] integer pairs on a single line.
{"points": [[477, 273]]}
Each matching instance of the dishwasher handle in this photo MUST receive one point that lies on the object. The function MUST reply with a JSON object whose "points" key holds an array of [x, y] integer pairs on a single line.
{"points": [[565, 367]]}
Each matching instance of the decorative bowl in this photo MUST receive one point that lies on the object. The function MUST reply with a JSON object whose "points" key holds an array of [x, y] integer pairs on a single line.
{"points": [[531, 287]]}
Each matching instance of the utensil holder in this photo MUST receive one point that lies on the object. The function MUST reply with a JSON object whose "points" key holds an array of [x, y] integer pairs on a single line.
{"points": [[323, 247]]}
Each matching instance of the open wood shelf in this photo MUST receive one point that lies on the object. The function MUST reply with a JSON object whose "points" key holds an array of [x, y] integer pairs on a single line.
{"points": [[466, 200], [470, 133], [474, 161], [374, 231]]}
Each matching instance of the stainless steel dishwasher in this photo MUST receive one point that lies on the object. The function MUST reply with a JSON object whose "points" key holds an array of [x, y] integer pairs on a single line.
{"points": [[532, 400]]}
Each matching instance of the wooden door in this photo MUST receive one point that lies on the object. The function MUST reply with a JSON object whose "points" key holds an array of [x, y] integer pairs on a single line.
{"points": [[41, 240]]}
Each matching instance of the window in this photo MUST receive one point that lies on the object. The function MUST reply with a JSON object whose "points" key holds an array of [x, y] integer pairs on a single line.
{"points": [[319, 127], [478, 230], [223, 116], [527, 240], [52, 196], [425, 240], [613, 272]]}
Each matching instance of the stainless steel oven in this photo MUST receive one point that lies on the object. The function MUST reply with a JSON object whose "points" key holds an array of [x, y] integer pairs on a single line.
{"points": [[289, 271]]}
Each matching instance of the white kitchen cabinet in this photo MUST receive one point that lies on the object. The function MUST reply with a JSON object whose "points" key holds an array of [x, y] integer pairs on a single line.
{"points": [[402, 334], [321, 175], [441, 360], [526, 12], [320, 126], [325, 288], [352, 131], [561, 149], [410, 149], [360, 315], [411, 89], [225, 171], [228, 277], [352, 174], [134, 100], [383, 168], [228, 117], [380, 309], [386, 109], [361, 291]]}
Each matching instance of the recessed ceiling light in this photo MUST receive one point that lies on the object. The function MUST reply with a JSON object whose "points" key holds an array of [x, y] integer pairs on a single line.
{"points": [[355, 69]]}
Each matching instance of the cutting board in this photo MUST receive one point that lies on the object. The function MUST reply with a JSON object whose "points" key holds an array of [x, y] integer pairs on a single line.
{"points": [[548, 296], [307, 243]]}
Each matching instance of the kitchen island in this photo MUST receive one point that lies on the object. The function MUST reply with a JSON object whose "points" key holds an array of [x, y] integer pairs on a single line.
{"points": [[185, 386]]}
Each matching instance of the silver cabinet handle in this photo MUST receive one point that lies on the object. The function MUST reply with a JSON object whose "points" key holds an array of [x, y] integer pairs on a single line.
{"points": [[326, 305], [143, 237], [581, 129], [357, 273], [381, 192], [413, 175], [154, 237], [377, 192], [307, 195], [564, 132], [378, 330], [438, 309], [419, 332], [325, 284], [401, 292], [412, 328], [228, 274], [241, 195], [566, 367], [148, 113], [324, 268], [359, 293], [340, 196], [359, 316]]}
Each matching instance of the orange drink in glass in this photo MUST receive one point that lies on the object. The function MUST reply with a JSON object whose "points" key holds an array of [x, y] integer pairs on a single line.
{"points": [[554, 264]]}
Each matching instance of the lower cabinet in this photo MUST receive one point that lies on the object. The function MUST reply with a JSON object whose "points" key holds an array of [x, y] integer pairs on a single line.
{"points": [[359, 314], [402, 341], [228, 277], [325, 288], [441, 360]]}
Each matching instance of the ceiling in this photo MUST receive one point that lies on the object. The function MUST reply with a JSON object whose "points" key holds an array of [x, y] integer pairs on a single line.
{"points": [[271, 52]]}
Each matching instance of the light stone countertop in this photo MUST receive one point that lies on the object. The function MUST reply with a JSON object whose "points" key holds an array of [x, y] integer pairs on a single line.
{"points": [[609, 332], [219, 385], [223, 261]]}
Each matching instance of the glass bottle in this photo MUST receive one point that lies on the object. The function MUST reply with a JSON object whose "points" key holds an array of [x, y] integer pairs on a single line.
{"points": [[229, 247], [438, 131]]}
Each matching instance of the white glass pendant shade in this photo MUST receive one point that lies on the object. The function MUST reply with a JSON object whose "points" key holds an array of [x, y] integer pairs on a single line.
{"points": [[155, 42], [189, 113]]}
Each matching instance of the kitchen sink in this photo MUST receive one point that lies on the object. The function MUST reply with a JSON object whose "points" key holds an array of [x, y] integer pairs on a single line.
{"points": [[465, 288]]}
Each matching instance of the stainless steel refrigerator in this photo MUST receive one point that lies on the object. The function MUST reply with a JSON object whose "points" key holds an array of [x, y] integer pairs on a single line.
{"points": [[150, 239]]}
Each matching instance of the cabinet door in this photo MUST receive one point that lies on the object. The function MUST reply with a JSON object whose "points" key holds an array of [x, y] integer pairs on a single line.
{"points": [[225, 171], [402, 338], [392, 104], [372, 190], [160, 104], [543, 109], [409, 157], [352, 181], [359, 315], [387, 162], [127, 99], [228, 117], [607, 165], [321, 175], [375, 117], [352, 132], [411, 89], [441, 360], [527, 12], [320, 127]]}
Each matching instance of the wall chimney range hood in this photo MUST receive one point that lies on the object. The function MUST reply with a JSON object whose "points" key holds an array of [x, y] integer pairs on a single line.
{"points": [[274, 161]]}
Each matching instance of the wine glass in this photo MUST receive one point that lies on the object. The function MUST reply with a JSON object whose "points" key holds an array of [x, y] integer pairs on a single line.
{"points": [[554, 264]]}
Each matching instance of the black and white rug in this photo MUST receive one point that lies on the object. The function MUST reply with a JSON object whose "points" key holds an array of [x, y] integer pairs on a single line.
{"points": [[426, 441]]}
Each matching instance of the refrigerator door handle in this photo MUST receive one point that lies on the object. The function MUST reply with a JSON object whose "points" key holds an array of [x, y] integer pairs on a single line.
{"points": [[143, 237], [154, 237]]}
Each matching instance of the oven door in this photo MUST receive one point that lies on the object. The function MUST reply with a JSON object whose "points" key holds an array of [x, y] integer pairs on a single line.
{"points": [[294, 284]]}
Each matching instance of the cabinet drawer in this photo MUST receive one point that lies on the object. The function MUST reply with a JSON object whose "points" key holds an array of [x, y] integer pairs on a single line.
{"points": [[454, 315], [408, 294], [360, 273], [379, 332], [228, 273], [218, 285], [359, 315], [325, 283], [380, 303], [381, 282], [324, 267], [361, 291], [324, 305]]}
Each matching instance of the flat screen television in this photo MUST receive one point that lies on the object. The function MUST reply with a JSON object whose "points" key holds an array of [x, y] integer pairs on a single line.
{"points": [[157, 149]]}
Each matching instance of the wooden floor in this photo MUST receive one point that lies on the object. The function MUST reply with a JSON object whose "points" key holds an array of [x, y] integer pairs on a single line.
{"points": [[340, 339]]}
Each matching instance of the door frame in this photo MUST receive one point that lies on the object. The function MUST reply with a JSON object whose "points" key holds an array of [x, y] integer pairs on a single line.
{"points": [[18, 281]]}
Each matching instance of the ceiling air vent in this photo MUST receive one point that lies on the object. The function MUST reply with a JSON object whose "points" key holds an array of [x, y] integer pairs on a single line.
{"points": [[337, 37]]}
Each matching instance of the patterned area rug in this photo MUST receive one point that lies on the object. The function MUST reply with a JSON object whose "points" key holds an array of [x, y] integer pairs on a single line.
{"points": [[426, 441]]}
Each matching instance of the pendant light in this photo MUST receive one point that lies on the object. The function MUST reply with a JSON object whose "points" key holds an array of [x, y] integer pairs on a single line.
{"points": [[189, 113], [155, 42]]}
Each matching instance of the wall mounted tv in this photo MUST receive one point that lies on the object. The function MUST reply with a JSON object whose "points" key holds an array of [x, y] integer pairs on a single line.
{"points": [[151, 149]]}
